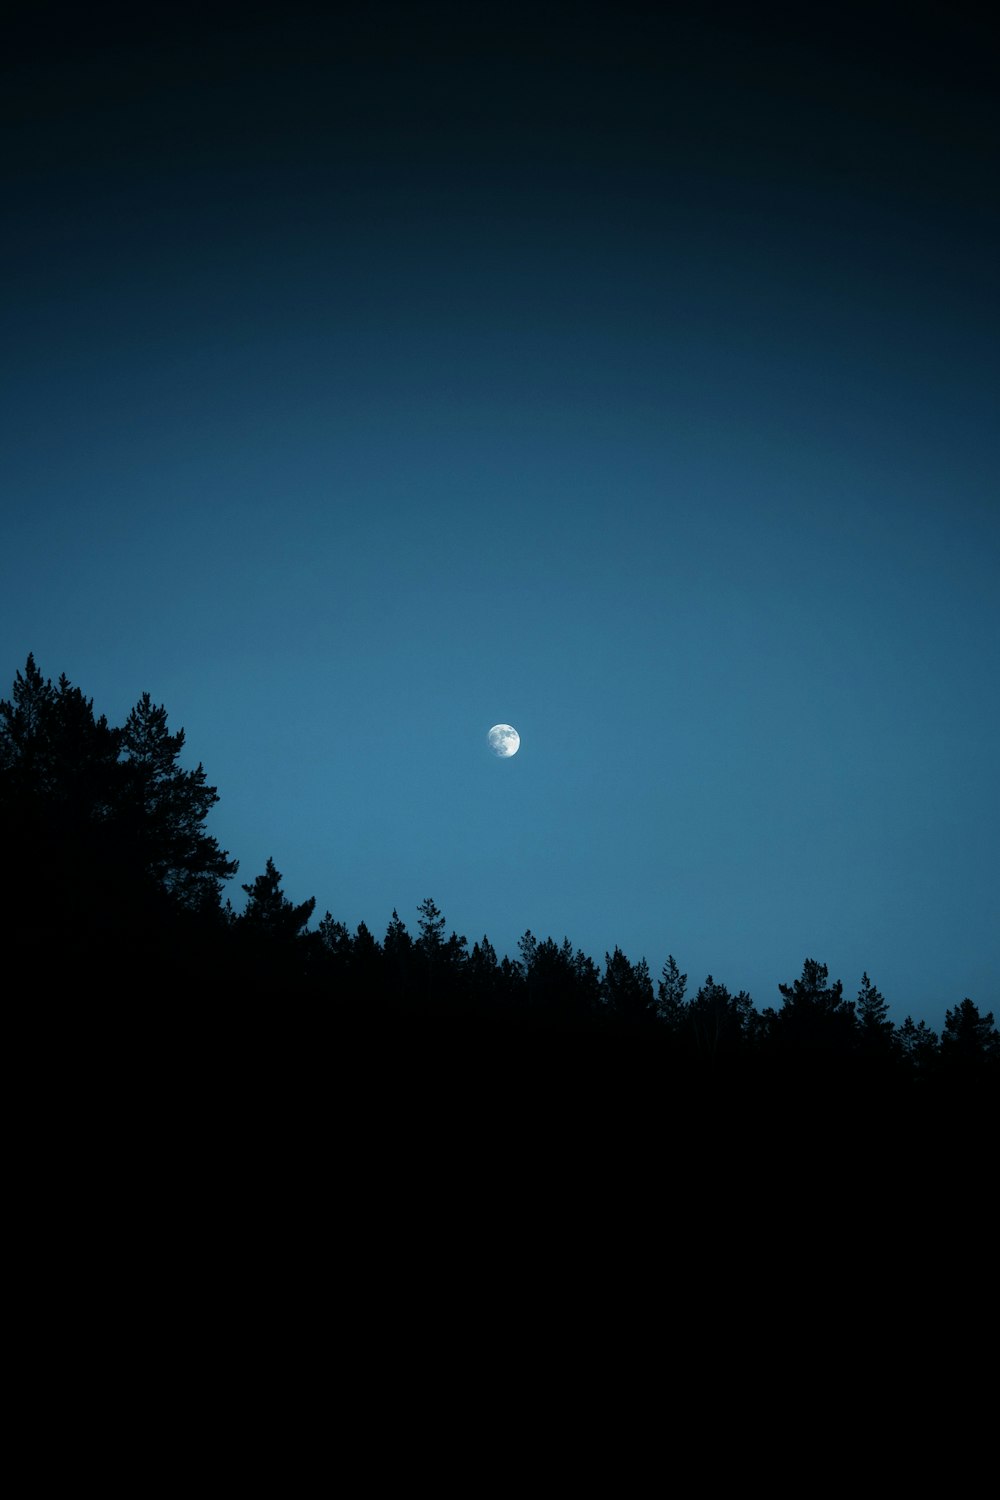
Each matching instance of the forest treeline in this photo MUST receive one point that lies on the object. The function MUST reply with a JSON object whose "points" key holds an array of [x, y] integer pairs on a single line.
{"points": [[113, 880]]}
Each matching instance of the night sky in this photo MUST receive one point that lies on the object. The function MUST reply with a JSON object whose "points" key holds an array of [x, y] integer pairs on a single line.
{"points": [[374, 375]]}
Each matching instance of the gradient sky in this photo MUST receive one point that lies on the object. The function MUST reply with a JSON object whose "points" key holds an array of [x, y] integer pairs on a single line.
{"points": [[628, 374]]}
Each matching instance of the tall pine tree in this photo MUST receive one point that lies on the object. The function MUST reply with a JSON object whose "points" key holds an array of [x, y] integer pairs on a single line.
{"points": [[166, 807]]}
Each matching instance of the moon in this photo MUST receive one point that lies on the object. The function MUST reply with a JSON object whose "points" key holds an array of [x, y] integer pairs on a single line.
{"points": [[504, 740]]}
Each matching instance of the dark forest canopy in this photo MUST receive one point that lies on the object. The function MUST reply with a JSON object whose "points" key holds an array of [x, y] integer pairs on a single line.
{"points": [[111, 875]]}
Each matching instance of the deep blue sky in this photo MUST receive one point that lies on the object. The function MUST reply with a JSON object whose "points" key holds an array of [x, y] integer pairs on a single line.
{"points": [[629, 375]]}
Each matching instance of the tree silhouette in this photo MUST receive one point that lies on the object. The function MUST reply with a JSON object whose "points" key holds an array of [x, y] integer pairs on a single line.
{"points": [[720, 1023], [558, 987], [59, 794], [918, 1046], [431, 925], [967, 1071], [57, 761], [969, 1040], [439, 959], [366, 964], [627, 990], [876, 1033], [167, 807], [670, 1007], [107, 829], [815, 1017], [398, 962], [269, 913], [335, 938], [483, 970]]}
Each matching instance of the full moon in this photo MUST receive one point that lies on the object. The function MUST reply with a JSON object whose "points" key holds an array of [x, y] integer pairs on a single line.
{"points": [[504, 740]]}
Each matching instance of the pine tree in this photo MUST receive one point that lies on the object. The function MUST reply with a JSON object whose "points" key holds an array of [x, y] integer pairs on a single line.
{"points": [[815, 1017], [440, 960], [335, 937], [918, 1045], [366, 965], [26, 721], [439, 952], [484, 975], [876, 1033], [968, 1037], [398, 961], [670, 1007], [432, 927], [557, 988], [167, 807], [54, 754], [627, 989], [718, 1021], [269, 913], [62, 885]]}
